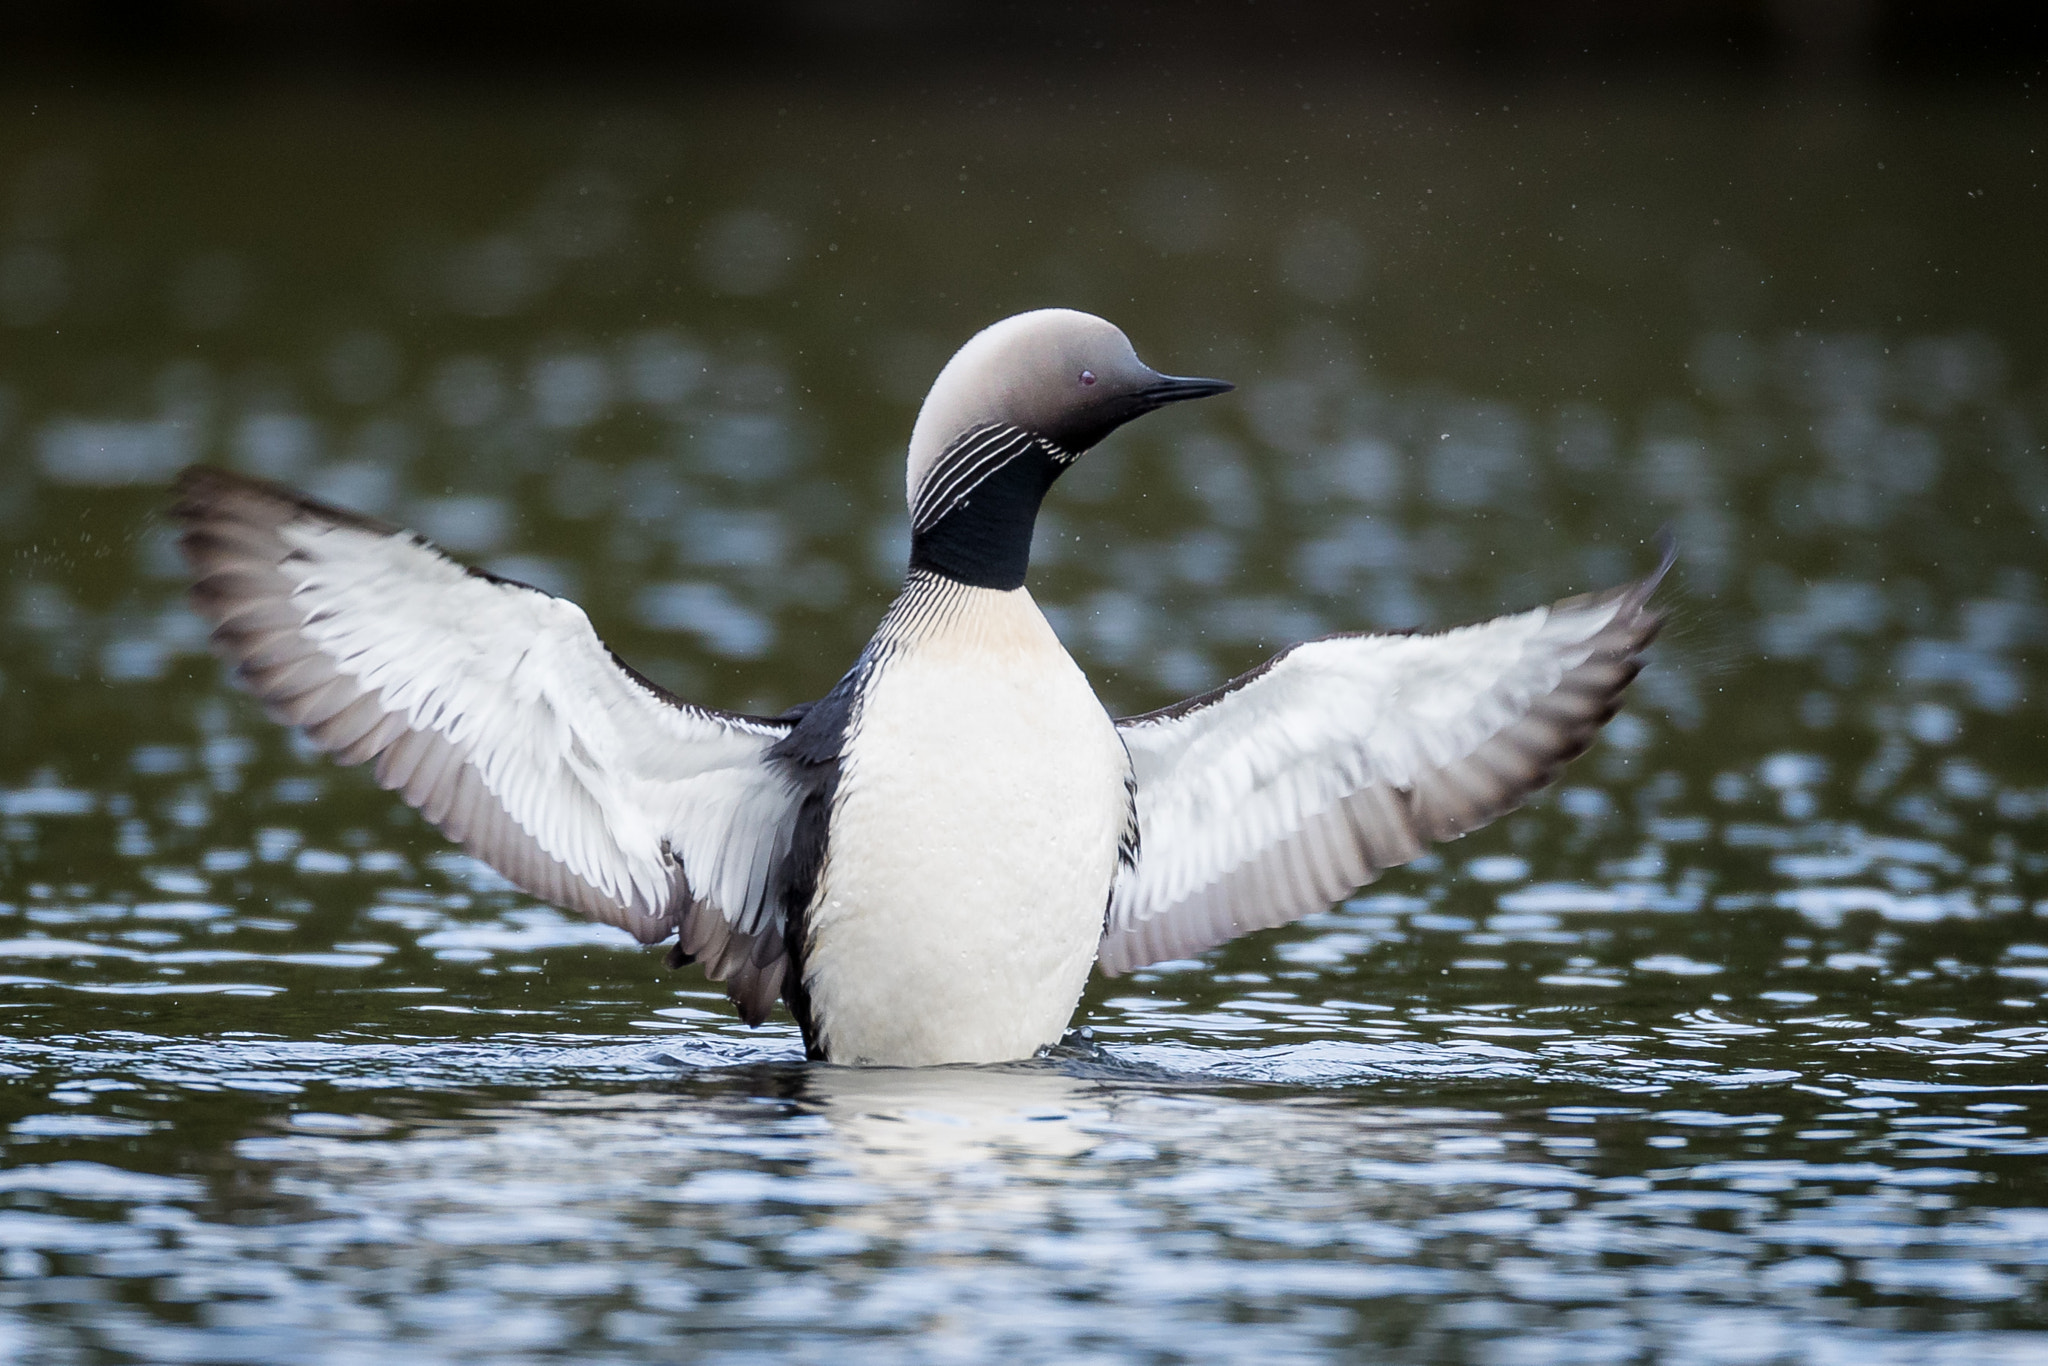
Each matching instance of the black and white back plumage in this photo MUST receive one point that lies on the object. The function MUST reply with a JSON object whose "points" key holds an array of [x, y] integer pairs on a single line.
{"points": [[494, 709], [1281, 792]]}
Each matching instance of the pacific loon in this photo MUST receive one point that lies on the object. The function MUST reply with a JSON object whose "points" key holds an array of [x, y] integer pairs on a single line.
{"points": [[926, 863]]}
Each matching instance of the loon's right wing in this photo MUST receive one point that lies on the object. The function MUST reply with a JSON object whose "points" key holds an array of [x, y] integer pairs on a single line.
{"points": [[494, 709]]}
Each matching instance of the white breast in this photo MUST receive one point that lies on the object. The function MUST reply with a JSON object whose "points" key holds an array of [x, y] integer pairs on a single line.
{"points": [[981, 799]]}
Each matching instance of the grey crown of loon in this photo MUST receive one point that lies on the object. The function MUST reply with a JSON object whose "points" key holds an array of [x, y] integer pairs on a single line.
{"points": [[926, 864], [1010, 412]]}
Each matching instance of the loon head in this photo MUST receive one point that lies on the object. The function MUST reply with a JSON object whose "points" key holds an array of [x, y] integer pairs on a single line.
{"points": [[1014, 407]]}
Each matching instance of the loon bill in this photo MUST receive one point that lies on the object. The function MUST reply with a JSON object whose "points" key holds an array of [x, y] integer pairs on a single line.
{"points": [[926, 863]]}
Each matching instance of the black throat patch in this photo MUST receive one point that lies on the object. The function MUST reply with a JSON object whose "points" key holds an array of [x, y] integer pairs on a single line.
{"points": [[975, 515]]}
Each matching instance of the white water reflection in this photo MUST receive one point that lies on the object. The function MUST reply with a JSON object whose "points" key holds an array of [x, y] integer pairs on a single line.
{"points": [[1025, 1212]]}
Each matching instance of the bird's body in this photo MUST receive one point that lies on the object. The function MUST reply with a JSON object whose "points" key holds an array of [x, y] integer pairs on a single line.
{"points": [[926, 863], [983, 794]]}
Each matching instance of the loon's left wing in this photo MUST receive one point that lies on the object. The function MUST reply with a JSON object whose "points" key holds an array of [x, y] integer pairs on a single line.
{"points": [[1279, 793]]}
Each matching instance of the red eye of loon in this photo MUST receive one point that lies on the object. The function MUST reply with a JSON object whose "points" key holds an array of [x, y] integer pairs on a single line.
{"points": [[1087, 377]]}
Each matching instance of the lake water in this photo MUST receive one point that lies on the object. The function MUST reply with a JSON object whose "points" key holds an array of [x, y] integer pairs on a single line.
{"points": [[1730, 1049]]}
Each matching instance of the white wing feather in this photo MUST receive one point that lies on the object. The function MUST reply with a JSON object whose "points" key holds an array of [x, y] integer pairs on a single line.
{"points": [[1285, 790], [495, 709]]}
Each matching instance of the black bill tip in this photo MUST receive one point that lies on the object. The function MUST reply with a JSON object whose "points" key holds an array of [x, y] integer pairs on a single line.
{"points": [[1177, 389]]}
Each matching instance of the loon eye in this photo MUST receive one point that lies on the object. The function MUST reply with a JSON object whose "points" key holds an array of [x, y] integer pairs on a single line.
{"points": [[1087, 377]]}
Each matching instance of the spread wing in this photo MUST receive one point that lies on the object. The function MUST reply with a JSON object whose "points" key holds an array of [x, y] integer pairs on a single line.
{"points": [[495, 709], [1281, 792]]}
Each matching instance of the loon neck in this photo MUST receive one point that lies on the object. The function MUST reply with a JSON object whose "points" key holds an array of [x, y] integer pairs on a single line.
{"points": [[985, 541]]}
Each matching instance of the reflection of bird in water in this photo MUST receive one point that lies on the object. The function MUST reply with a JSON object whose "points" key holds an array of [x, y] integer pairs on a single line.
{"points": [[907, 1130], [925, 863]]}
